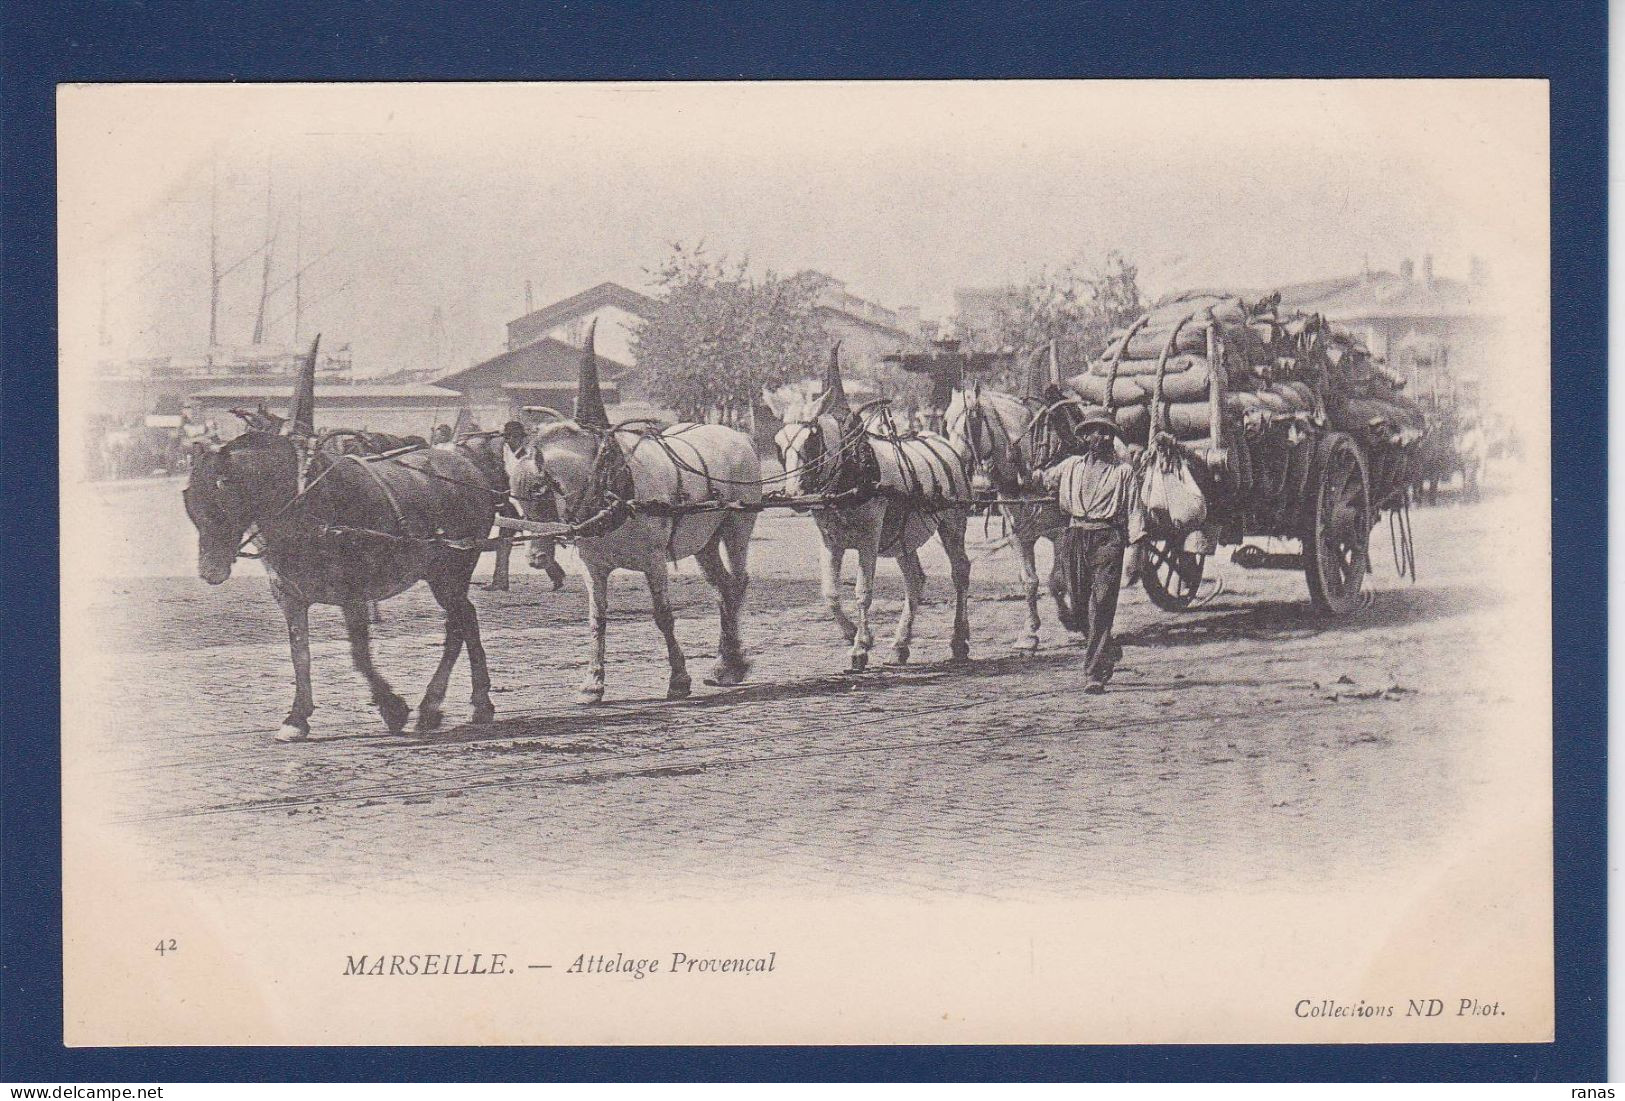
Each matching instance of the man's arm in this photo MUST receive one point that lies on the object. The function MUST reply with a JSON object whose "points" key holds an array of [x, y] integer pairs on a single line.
{"points": [[1050, 476]]}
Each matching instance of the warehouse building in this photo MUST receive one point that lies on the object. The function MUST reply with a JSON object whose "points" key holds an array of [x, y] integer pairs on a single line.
{"points": [[409, 410]]}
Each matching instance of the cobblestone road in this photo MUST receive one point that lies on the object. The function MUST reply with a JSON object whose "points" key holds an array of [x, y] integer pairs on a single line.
{"points": [[1228, 747]]}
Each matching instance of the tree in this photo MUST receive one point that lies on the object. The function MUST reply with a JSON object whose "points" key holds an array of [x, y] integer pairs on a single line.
{"points": [[1077, 305], [721, 336]]}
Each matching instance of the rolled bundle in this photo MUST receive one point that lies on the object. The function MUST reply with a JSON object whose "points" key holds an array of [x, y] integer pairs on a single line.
{"points": [[1092, 388], [1301, 393], [1186, 420], [1132, 420], [1148, 343], [1284, 398], [1137, 368], [1375, 419], [1190, 384]]}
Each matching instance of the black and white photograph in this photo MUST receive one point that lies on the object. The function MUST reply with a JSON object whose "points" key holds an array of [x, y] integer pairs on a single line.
{"points": [[938, 562]]}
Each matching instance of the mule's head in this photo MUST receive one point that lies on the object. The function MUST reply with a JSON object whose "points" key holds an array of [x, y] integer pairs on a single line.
{"points": [[232, 486], [808, 450], [992, 429], [971, 432], [567, 454]]}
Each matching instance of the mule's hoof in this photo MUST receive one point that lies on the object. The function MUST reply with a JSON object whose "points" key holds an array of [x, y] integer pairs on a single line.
{"points": [[860, 662], [726, 676], [429, 719], [679, 688], [1027, 645], [485, 713], [395, 713], [495, 587], [288, 732], [900, 655], [590, 695], [960, 653]]}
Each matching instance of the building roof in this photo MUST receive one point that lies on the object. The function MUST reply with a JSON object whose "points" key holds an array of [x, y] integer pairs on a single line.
{"points": [[566, 309], [1386, 295], [1370, 295], [545, 360], [832, 298], [903, 336], [358, 392]]}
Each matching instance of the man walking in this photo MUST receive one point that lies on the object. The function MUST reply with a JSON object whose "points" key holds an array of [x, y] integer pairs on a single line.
{"points": [[1100, 492]]}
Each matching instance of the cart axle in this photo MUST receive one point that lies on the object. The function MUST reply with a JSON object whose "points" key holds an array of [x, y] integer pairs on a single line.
{"points": [[1249, 557]]}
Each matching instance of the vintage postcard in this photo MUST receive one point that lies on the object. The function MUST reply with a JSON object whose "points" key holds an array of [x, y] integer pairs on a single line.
{"points": [[806, 563]]}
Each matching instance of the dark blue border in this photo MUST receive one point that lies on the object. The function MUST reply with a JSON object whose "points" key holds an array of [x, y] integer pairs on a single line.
{"points": [[171, 40]]}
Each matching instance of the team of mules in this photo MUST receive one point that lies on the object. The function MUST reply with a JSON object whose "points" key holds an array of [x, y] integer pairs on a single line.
{"points": [[351, 518]]}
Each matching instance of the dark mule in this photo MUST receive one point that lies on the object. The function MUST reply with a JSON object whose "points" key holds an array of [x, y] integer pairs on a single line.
{"points": [[364, 529]]}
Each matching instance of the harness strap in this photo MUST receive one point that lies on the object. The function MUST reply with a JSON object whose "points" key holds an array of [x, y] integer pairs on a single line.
{"points": [[389, 494]]}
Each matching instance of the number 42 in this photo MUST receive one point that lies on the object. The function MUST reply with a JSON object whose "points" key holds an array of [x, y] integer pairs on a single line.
{"points": [[164, 947]]}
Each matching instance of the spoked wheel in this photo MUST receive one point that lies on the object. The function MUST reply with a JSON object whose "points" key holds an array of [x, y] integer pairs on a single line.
{"points": [[1171, 575], [1337, 542]]}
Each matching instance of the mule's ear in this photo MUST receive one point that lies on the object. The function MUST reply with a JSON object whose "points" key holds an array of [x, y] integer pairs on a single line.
{"points": [[302, 414], [590, 409], [834, 399]]}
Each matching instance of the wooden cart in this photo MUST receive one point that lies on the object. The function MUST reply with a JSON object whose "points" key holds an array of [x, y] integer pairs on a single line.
{"points": [[1291, 476]]}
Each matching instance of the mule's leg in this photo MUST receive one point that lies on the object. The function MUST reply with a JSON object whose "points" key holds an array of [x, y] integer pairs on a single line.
{"points": [[679, 685], [429, 714], [391, 706], [951, 530], [913, 593], [863, 637], [450, 589], [500, 569], [296, 727], [736, 532], [598, 620], [479, 671], [829, 582], [1027, 545], [731, 665]]}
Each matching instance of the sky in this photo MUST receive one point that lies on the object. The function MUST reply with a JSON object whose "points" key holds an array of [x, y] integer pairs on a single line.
{"points": [[405, 200]]}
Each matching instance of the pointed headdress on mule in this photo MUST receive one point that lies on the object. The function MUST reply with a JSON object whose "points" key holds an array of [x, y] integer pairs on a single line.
{"points": [[834, 399], [1043, 371], [302, 417], [590, 409]]}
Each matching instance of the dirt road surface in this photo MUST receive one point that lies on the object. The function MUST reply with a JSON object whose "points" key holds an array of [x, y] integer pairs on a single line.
{"points": [[1247, 742]]}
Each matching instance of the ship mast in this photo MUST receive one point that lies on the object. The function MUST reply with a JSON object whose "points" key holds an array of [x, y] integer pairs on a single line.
{"points": [[298, 256], [265, 267], [214, 256]]}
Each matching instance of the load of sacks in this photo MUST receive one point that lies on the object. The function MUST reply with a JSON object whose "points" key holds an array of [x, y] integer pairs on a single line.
{"points": [[1280, 367]]}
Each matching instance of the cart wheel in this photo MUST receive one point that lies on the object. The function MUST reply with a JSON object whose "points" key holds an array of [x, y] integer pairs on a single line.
{"points": [[1171, 574], [1336, 544]]}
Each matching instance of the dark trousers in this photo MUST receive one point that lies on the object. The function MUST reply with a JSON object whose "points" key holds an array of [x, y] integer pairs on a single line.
{"points": [[1093, 568]]}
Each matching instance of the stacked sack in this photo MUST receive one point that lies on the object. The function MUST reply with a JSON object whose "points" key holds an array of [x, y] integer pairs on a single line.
{"points": [[1279, 368]]}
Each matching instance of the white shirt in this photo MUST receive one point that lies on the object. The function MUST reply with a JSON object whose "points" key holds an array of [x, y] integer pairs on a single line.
{"points": [[1099, 491]]}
